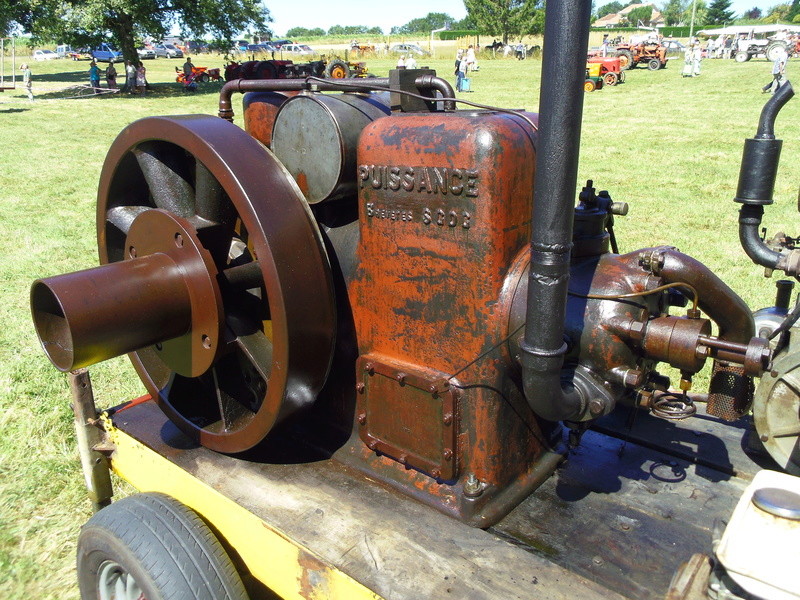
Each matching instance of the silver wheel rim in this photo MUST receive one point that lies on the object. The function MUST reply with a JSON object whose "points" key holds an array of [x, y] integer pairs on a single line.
{"points": [[115, 583]]}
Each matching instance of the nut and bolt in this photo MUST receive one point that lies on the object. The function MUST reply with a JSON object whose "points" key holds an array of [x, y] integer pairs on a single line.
{"points": [[436, 473], [360, 387], [372, 445], [472, 486], [634, 378], [596, 406], [362, 418], [369, 368], [448, 454], [403, 459], [447, 419], [401, 378]]}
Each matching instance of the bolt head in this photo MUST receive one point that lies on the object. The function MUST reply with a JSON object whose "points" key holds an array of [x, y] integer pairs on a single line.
{"points": [[448, 454], [448, 418], [362, 418], [596, 406], [360, 387]]}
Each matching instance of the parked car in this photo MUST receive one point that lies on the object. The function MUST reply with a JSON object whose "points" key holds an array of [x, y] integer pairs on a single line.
{"points": [[167, 51], [44, 55], [408, 49], [673, 47], [63, 50], [81, 54], [263, 48], [279, 43], [194, 47], [146, 53], [105, 53], [296, 49], [240, 45]]}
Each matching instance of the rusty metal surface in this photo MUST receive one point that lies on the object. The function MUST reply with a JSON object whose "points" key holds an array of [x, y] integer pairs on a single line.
{"points": [[279, 317], [437, 234], [409, 414], [260, 109]]}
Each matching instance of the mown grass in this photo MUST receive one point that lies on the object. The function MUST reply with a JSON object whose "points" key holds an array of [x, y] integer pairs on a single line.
{"points": [[669, 146]]}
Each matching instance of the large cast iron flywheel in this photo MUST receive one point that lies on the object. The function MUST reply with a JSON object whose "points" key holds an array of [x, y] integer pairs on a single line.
{"points": [[216, 201]]}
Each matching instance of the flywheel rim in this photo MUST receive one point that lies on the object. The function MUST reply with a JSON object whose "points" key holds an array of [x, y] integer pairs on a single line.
{"points": [[239, 189]]}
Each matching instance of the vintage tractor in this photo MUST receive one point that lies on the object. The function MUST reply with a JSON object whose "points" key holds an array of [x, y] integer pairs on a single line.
{"points": [[654, 55], [408, 288], [610, 69], [286, 69], [594, 81]]}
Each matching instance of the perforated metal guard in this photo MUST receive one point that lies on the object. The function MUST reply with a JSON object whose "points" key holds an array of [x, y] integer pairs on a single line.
{"points": [[730, 393]]}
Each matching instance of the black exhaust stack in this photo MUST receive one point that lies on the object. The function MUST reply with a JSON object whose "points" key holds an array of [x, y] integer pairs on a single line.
{"points": [[566, 39]]}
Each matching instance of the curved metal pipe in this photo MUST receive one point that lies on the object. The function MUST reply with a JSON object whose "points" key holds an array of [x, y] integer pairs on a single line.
{"points": [[749, 235], [566, 39], [717, 299], [318, 85], [766, 123]]}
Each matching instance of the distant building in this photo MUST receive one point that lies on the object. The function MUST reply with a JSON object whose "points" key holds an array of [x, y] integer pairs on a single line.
{"points": [[620, 19]]}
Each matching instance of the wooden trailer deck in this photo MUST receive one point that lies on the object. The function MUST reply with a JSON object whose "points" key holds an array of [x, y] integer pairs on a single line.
{"points": [[615, 521]]}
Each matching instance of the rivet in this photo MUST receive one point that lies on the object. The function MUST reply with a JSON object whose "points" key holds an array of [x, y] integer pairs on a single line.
{"points": [[369, 368], [362, 418], [448, 454], [401, 378], [764, 437], [372, 445], [436, 473], [403, 459], [360, 387], [448, 418]]}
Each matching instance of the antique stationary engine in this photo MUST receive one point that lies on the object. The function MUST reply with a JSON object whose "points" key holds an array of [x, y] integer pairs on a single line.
{"points": [[369, 271]]}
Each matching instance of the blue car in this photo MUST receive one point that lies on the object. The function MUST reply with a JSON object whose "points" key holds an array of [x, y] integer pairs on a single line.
{"points": [[105, 53]]}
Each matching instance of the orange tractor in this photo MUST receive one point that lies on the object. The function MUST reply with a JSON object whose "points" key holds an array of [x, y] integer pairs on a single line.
{"points": [[654, 55]]}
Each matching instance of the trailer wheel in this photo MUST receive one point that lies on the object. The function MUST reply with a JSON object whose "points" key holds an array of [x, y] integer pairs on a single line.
{"points": [[654, 64], [152, 546]]}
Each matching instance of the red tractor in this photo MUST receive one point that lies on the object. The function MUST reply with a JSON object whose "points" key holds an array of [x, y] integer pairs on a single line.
{"points": [[610, 69]]}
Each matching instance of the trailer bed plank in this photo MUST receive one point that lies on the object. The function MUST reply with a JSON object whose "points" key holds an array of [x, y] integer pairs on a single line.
{"points": [[624, 515], [394, 546]]}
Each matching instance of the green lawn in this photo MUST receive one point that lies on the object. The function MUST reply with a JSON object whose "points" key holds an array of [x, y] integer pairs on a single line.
{"points": [[668, 146]]}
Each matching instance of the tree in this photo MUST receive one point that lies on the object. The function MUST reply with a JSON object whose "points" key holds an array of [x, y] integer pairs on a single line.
{"points": [[778, 13], [126, 22], [354, 30], [719, 13], [609, 9], [302, 32], [753, 14], [425, 24], [699, 13], [794, 11], [673, 11], [506, 17], [643, 14]]}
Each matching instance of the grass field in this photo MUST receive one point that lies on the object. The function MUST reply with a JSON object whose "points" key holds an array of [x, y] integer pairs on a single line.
{"points": [[668, 146]]}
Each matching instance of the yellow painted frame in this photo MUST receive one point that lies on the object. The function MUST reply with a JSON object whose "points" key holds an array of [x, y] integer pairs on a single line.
{"points": [[283, 565]]}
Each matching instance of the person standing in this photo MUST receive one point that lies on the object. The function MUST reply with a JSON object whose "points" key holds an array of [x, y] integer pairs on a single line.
{"points": [[141, 78], [411, 62], [697, 57], [130, 76], [26, 80], [401, 62], [111, 75], [778, 69], [472, 62], [463, 65], [94, 77], [687, 61]]}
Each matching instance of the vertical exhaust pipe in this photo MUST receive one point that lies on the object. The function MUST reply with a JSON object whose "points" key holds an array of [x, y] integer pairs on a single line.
{"points": [[566, 38]]}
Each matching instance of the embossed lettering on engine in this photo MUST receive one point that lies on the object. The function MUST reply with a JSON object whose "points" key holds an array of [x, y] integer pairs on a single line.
{"points": [[433, 180]]}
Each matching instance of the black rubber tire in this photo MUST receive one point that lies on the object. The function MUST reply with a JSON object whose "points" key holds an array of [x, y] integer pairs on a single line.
{"points": [[772, 47], [611, 78], [626, 61], [337, 69], [741, 56], [654, 64], [170, 553]]}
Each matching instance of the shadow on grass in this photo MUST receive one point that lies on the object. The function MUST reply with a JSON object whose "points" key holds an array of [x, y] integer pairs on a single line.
{"points": [[157, 90], [13, 110]]}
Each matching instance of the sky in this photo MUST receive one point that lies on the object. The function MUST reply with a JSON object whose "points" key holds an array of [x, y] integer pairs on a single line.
{"points": [[325, 13]]}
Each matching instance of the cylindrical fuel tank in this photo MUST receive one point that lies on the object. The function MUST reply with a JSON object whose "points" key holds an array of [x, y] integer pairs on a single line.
{"points": [[315, 136], [260, 110]]}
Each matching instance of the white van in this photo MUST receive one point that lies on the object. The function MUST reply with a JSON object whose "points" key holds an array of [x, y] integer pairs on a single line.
{"points": [[63, 50]]}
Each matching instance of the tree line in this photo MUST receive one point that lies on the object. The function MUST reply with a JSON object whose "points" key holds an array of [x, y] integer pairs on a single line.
{"points": [[713, 13]]}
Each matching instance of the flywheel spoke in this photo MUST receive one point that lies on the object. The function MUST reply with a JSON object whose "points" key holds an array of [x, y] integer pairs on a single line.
{"points": [[164, 171], [211, 201]]}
